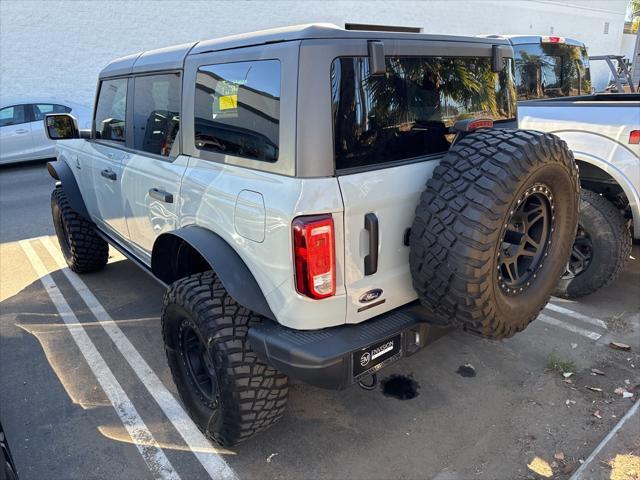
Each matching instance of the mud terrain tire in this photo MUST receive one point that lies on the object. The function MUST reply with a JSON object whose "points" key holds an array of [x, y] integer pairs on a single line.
{"points": [[493, 230], [83, 249], [602, 247], [228, 392]]}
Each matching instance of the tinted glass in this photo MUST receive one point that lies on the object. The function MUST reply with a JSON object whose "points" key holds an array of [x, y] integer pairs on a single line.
{"points": [[156, 113], [111, 110], [41, 109], [237, 109], [12, 115], [407, 112], [548, 70]]}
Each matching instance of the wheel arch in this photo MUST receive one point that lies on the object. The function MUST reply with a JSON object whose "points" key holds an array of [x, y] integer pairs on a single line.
{"points": [[193, 249], [601, 177], [614, 160], [61, 172]]}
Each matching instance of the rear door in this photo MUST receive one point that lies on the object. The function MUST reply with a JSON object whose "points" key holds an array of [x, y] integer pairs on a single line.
{"points": [[389, 133], [42, 146], [152, 174]]}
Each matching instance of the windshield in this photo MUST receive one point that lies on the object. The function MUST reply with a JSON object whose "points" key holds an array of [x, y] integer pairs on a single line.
{"points": [[549, 70], [406, 113]]}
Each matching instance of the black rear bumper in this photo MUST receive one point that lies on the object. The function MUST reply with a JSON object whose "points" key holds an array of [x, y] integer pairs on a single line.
{"points": [[325, 358]]}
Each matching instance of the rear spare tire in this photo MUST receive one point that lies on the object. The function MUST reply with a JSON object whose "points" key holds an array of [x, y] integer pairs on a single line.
{"points": [[493, 230], [602, 247]]}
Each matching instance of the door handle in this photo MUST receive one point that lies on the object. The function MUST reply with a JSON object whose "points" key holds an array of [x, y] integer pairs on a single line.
{"points": [[161, 195], [108, 173], [21, 131], [371, 260]]}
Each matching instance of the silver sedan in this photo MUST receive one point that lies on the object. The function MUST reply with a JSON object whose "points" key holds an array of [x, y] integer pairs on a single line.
{"points": [[22, 135]]}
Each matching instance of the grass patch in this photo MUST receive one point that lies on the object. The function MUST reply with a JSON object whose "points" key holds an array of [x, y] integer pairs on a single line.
{"points": [[555, 363]]}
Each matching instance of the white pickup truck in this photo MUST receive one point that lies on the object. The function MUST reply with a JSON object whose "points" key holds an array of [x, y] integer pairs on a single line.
{"points": [[603, 131]]}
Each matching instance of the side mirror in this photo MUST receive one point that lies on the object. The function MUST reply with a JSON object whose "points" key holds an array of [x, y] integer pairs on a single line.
{"points": [[61, 126]]}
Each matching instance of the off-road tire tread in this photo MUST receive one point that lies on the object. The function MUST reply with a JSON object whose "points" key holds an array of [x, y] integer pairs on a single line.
{"points": [[459, 216], [89, 252], [253, 395], [617, 254]]}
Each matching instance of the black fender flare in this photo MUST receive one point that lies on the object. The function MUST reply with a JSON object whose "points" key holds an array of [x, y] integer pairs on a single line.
{"points": [[223, 260], [61, 171]]}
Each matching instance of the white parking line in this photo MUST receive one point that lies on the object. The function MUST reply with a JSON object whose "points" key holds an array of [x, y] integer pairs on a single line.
{"points": [[578, 316], [212, 462], [152, 454], [567, 326]]}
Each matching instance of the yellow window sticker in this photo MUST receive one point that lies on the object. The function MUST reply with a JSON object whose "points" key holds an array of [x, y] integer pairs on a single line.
{"points": [[228, 102]]}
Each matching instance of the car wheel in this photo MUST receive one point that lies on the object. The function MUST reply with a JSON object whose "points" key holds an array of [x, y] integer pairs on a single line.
{"points": [[229, 393], [493, 230]]}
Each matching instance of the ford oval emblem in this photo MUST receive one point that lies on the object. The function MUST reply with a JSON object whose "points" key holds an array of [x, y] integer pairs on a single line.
{"points": [[371, 295]]}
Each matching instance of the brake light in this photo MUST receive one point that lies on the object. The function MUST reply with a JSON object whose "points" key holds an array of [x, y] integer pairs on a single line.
{"points": [[553, 40], [314, 252], [480, 123], [634, 137]]}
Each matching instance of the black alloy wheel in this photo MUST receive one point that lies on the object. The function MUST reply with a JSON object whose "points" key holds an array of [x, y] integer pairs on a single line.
{"points": [[197, 360], [581, 254], [526, 239]]}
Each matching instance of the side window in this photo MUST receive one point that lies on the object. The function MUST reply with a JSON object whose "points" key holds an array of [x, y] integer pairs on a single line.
{"points": [[111, 110], [237, 109], [41, 109], [156, 113], [12, 115]]}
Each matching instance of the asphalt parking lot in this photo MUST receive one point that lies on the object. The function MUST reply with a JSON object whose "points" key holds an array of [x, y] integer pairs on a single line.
{"points": [[85, 392]]}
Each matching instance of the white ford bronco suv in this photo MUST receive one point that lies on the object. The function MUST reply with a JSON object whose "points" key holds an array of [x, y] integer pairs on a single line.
{"points": [[314, 197]]}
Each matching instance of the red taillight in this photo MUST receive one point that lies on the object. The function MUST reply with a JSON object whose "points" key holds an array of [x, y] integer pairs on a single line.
{"points": [[480, 123], [314, 252], [634, 137]]}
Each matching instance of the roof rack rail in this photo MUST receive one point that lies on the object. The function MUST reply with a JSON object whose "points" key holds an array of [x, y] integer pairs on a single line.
{"points": [[381, 28]]}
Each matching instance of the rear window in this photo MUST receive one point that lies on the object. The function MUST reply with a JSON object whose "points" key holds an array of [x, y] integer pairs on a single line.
{"points": [[42, 109], [156, 113], [551, 70], [237, 109], [407, 112]]}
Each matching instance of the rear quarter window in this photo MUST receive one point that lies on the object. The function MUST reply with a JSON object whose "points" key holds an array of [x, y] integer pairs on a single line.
{"points": [[551, 70], [407, 112], [237, 109]]}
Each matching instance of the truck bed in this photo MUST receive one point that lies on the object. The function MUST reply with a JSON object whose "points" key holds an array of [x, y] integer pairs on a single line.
{"points": [[618, 99]]}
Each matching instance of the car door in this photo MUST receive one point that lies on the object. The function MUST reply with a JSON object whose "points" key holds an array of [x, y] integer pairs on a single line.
{"points": [[15, 135], [42, 146], [390, 133], [104, 156], [153, 172]]}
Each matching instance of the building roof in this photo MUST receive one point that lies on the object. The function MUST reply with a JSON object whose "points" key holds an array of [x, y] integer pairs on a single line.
{"points": [[173, 57]]}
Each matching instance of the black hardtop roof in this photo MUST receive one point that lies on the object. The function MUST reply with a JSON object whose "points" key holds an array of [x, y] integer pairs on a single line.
{"points": [[173, 57]]}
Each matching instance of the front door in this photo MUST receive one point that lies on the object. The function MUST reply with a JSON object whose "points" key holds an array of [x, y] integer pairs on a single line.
{"points": [[105, 155], [15, 135], [152, 176]]}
